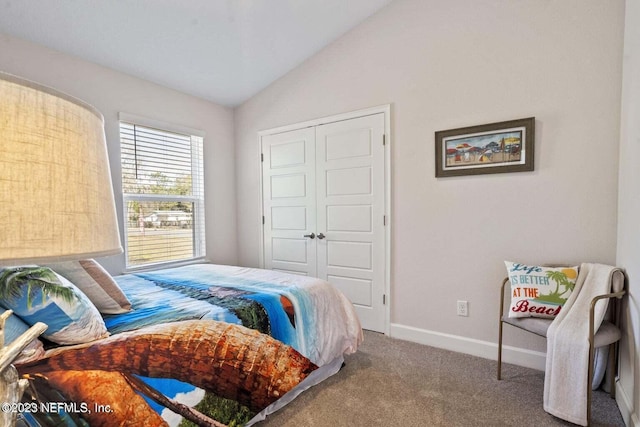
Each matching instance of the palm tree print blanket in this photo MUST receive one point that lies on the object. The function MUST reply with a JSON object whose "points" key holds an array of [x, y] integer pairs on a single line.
{"points": [[202, 345]]}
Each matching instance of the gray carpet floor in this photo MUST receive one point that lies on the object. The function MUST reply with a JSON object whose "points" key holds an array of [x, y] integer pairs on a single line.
{"points": [[390, 382]]}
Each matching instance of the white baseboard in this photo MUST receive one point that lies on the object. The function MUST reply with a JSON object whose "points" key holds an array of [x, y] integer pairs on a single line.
{"points": [[626, 407], [485, 349]]}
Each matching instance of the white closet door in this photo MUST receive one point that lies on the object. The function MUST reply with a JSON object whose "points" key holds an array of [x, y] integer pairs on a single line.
{"points": [[288, 179], [350, 213]]}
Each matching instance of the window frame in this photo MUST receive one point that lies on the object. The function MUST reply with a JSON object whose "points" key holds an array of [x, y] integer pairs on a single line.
{"points": [[197, 166]]}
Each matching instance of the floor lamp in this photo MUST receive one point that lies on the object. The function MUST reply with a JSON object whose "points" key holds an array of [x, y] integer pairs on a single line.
{"points": [[56, 198]]}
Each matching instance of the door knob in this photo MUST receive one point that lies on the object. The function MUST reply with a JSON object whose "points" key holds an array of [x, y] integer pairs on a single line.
{"points": [[321, 236], [312, 235]]}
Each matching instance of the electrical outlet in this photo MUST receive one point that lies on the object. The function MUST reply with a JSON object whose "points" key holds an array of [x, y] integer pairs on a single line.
{"points": [[463, 308]]}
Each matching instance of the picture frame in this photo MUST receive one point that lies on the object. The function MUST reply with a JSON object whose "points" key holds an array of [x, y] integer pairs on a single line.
{"points": [[500, 147]]}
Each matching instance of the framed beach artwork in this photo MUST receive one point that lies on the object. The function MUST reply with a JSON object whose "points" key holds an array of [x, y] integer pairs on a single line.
{"points": [[491, 148]]}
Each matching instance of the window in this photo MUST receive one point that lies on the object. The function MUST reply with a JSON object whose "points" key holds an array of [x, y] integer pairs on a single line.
{"points": [[163, 192]]}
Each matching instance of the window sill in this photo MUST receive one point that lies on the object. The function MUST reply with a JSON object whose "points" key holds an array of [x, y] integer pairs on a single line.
{"points": [[162, 265]]}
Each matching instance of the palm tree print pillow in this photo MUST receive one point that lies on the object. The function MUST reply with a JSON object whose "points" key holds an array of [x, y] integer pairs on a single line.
{"points": [[539, 291], [38, 294]]}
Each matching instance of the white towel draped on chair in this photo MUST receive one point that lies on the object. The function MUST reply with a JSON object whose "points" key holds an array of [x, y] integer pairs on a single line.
{"points": [[566, 378]]}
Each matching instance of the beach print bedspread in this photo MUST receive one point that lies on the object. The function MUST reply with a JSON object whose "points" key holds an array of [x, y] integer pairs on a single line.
{"points": [[203, 345]]}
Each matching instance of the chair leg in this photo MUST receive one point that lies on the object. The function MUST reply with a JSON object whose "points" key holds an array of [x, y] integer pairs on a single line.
{"points": [[504, 282], [590, 380], [500, 350], [613, 368]]}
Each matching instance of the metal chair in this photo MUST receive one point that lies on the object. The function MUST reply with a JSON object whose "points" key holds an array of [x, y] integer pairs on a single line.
{"points": [[607, 334]]}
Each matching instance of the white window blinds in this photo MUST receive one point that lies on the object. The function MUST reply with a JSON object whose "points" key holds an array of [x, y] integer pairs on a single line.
{"points": [[162, 185]]}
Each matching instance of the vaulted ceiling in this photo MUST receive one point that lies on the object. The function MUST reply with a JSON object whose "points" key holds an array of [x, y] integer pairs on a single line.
{"points": [[224, 51]]}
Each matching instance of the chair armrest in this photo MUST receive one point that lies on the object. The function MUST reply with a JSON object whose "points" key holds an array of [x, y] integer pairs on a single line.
{"points": [[594, 301], [504, 282]]}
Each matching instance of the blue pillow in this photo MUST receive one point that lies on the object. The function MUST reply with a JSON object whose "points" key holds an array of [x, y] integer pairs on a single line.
{"points": [[38, 294]]}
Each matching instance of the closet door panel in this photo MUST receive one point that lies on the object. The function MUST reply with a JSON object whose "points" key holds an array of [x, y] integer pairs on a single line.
{"points": [[289, 201], [350, 210], [347, 218]]}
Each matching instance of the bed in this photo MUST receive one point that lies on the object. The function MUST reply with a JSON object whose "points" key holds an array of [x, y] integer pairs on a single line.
{"points": [[202, 344]]}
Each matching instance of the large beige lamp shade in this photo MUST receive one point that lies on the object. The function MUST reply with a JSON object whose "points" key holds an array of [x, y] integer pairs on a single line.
{"points": [[56, 198]]}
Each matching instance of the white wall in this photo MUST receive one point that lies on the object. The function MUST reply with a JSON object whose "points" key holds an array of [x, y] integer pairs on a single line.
{"points": [[112, 92], [443, 64], [629, 213]]}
